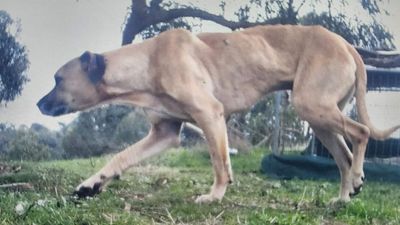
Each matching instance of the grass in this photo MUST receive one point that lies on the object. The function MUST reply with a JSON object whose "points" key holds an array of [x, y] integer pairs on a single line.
{"points": [[162, 191]]}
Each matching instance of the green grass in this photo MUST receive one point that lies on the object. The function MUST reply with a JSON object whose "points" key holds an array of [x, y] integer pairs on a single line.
{"points": [[162, 191]]}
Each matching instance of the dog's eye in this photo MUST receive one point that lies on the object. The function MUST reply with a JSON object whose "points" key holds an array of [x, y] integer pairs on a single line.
{"points": [[58, 80]]}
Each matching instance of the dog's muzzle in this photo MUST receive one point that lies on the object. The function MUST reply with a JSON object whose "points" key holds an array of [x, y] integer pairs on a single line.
{"points": [[51, 108]]}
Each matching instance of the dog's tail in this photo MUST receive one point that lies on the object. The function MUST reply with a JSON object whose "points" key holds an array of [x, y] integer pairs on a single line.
{"points": [[361, 89]]}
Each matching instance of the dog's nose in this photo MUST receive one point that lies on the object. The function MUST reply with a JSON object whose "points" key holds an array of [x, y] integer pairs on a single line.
{"points": [[43, 106], [40, 106]]}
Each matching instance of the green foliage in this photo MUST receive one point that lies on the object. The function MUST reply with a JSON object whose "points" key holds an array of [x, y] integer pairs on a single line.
{"points": [[369, 35], [131, 129], [26, 146], [96, 132], [13, 59], [7, 133], [41, 143], [258, 123], [103, 130], [51, 139], [372, 6], [155, 29], [358, 30]]}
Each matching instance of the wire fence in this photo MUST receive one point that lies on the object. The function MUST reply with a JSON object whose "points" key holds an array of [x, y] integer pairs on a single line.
{"points": [[383, 104]]}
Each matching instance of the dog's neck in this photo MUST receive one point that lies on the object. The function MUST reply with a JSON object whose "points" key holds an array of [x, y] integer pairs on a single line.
{"points": [[122, 65], [127, 78]]}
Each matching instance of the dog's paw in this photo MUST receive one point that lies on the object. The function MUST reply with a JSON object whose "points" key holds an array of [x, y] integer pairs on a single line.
{"points": [[88, 191], [94, 185], [205, 199], [357, 181], [339, 200], [336, 204], [90, 187]]}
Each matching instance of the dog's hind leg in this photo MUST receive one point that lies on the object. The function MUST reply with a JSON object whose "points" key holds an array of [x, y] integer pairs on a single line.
{"points": [[321, 87], [163, 135], [343, 158], [321, 116]]}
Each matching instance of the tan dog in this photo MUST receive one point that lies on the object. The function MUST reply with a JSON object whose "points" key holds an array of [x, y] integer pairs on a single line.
{"points": [[178, 76]]}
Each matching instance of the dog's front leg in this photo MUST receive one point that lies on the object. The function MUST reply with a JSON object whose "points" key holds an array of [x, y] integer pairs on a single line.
{"points": [[163, 135], [214, 127]]}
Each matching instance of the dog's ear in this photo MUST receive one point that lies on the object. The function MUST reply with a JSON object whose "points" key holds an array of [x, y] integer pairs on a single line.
{"points": [[94, 65]]}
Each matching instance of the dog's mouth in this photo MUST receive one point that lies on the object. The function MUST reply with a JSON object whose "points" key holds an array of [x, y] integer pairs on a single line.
{"points": [[60, 110], [50, 109]]}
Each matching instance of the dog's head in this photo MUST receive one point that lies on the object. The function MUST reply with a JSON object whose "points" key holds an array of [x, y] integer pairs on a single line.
{"points": [[77, 86]]}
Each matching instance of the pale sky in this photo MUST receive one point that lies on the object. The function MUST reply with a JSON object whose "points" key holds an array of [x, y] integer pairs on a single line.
{"points": [[54, 31]]}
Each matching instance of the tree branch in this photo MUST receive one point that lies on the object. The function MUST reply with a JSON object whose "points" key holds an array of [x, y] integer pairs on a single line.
{"points": [[300, 6], [138, 5], [143, 16], [379, 59], [136, 24], [17, 186], [383, 62], [198, 13]]}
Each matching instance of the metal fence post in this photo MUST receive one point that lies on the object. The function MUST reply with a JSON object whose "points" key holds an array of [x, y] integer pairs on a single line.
{"points": [[313, 152], [277, 113]]}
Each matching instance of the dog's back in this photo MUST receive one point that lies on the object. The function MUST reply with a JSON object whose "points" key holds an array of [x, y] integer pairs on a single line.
{"points": [[245, 65]]}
